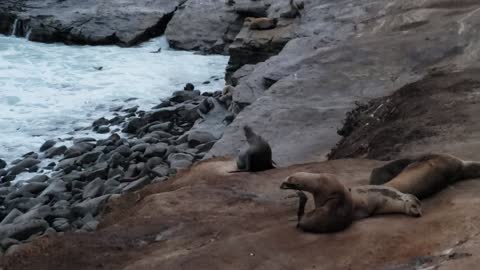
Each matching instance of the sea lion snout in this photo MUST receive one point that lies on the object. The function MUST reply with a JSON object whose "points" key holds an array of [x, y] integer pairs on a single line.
{"points": [[287, 184]]}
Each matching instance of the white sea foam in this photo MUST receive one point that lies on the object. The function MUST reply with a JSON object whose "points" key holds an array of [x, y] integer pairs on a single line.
{"points": [[48, 90]]}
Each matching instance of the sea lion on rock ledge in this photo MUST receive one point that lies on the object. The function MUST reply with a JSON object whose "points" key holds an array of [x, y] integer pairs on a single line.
{"points": [[337, 206], [426, 174], [257, 157]]}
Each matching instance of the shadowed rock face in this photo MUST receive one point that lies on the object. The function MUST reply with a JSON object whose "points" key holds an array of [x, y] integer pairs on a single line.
{"points": [[350, 51], [124, 22]]}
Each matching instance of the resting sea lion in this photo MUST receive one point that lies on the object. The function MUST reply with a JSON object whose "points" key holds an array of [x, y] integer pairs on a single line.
{"points": [[387, 172], [336, 206], [257, 157], [427, 174], [262, 23]]}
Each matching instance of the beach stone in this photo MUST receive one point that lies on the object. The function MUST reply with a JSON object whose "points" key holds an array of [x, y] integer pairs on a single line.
{"points": [[163, 114], [90, 226], [156, 150], [138, 184], [56, 188], [180, 160], [160, 170], [88, 158], [103, 130], [40, 212], [162, 126], [67, 165], [99, 170], [79, 149], [55, 151], [124, 150], [83, 139], [100, 122], [198, 137], [189, 87], [33, 187], [61, 225], [8, 242], [91, 206], [141, 147], [47, 145], [22, 231], [38, 179], [93, 189], [134, 125], [23, 166], [14, 213]]}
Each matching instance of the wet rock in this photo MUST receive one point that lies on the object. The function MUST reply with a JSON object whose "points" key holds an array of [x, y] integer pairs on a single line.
{"points": [[47, 145], [73, 176], [55, 151], [205, 147], [83, 140], [162, 127], [141, 147], [117, 120], [114, 172], [79, 149], [100, 122], [40, 212], [138, 184], [22, 231], [3, 172], [93, 189], [116, 159], [182, 96], [22, 166], [88, 158], [111, 186], [38, 179], [124, 150], [91, 206], [55, 189], [156, 150], [67, 165], [134, 125], [163, 114], [189, 87], [103, 130], [33, 187], [197, 137], [31, 155], [99, 170], [25, 204], [61, 225]]}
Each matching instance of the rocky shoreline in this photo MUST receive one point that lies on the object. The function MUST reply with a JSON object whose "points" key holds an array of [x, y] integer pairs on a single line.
{"points": [[150, 147]]}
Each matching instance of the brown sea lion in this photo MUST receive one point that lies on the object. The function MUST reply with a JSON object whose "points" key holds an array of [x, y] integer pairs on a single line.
{"points": [[263, 23], [258, 156], [428, 174], [336, 206]]}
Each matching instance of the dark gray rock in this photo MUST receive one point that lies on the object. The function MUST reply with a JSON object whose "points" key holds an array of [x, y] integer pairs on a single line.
{"points": [[61, 225], [141, 147], [138, 184], [99, 170], [180, 160], [67, 165], [160, 170], [3, 164], [182, 96], [23, 166], [156, 150], [201, 148], [11, 216], [93, 189], [55, 151], [134, 124], [47, 145], [38, 179], [33, 187], [8, 242], [40, 212], [197, 137], [56, 189], [91, 206], [88, 158], [79, 149], [115, 172], [90, 226], [161, 126], [116, 159], [124, 150], [83, 140], [22, 231], [25, 204], [163, 114], [103, 130], [100, 122]]}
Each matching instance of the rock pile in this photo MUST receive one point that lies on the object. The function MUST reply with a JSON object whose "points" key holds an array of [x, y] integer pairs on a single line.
{"points": [[152, 146]]}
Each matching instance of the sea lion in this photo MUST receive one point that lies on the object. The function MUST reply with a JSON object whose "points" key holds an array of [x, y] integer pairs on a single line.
{"points": [[337, 206], [263, 23], [387, 172], [428, 174], [258, 156]]}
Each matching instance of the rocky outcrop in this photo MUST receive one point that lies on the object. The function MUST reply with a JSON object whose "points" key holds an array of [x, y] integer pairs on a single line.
{"points": [[87, 22], [348, 53]]}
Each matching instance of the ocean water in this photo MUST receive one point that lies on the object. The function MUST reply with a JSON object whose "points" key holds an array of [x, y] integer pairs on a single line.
{"points": [[49, 90]]}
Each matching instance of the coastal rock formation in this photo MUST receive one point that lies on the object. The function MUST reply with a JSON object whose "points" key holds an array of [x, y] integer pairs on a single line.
{"points": [[93, 22], [356, 51]]}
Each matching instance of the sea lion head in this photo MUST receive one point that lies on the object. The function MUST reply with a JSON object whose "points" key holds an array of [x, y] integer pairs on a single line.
{"points": [[311, 182], [413, 206]]}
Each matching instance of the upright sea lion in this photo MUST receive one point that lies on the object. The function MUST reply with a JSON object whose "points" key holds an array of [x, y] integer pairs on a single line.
{"points": [[258, 156], [336, 206], [429, 173]]}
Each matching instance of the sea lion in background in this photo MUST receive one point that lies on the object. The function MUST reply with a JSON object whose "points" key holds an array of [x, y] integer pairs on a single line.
{"points": [[387, 172], [336, 206], [257, 157], [428, 174]]}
